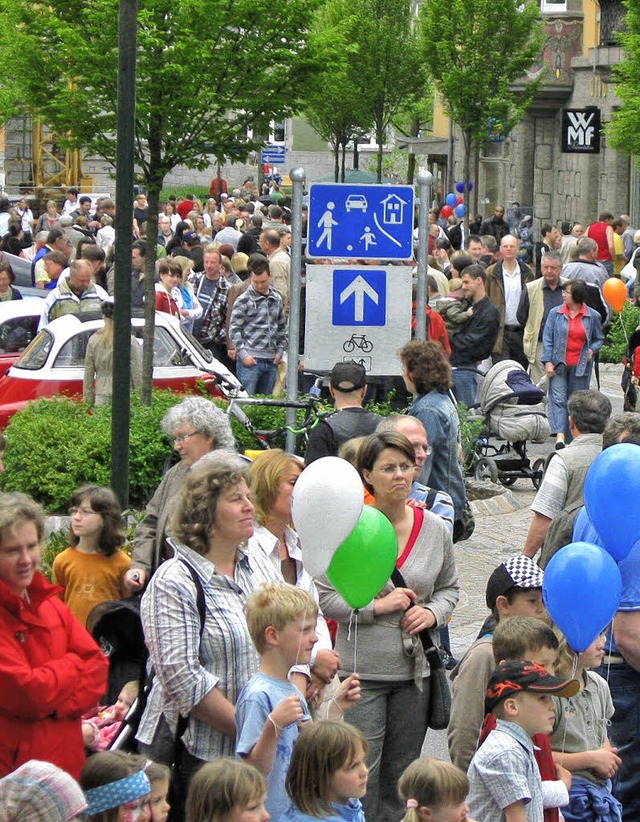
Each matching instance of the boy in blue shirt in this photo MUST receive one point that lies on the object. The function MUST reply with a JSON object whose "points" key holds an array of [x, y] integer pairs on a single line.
{"points": [[282, 623]]}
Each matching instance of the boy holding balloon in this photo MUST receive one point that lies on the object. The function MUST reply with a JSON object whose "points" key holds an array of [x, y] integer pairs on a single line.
{"points": [[579, 738]]}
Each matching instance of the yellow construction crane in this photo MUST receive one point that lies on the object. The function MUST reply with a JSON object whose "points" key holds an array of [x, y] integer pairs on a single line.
{"points": [[51, 165]]}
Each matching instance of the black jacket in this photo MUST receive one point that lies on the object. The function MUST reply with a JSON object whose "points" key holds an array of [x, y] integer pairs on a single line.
{"points": [[475, 341]]}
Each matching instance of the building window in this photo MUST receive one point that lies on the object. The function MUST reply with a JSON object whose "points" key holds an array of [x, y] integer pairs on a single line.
{"points": [[552, 6], [277, 132]]}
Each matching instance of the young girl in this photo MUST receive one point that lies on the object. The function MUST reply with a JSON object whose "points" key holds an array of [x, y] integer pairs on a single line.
{"points": [[227, 791], [92, 569], [327, 776], [115, 788], [434, 791], [159, 777], [579, 739]]}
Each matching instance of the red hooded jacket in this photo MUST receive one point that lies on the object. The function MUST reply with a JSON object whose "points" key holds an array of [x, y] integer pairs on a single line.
{"points": [[51, 671]]}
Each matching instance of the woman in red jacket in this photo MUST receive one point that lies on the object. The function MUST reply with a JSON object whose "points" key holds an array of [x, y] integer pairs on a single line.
{"points": [[51, 670], [170, 273]]}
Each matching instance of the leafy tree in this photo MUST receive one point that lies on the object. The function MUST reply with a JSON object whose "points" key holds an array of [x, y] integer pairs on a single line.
{"points": [[623, 129], [386, 61], [207, 72], [478, 54], [334, 95]]}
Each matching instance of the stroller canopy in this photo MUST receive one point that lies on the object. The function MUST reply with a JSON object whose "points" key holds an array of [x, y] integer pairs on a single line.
{"points": [[508, 382]]}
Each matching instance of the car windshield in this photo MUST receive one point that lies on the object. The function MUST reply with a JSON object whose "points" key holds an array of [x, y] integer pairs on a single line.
{"points": [[206, 355], [17, 333], [35, 355]]}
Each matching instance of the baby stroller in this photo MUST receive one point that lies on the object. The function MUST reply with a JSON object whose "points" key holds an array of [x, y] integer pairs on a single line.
{"points": [[511, 407], [631, 373]]}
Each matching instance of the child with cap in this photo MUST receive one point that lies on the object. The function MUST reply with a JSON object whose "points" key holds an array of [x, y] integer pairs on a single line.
{"points": [[513, 589], [504, 780], [520, 637]]}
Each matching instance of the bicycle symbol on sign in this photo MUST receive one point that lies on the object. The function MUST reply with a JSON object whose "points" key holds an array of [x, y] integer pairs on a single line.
{"points": [[357, 341]]}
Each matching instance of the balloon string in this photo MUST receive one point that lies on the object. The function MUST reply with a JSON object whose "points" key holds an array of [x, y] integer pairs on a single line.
{"points": [[624, 330], [353, 621]]}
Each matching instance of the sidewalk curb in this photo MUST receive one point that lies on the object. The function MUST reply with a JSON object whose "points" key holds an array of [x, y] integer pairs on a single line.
{"points": [[502, 503]]}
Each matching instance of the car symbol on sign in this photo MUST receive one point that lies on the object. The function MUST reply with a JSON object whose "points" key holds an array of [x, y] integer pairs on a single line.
{"points": [[356, 201]]}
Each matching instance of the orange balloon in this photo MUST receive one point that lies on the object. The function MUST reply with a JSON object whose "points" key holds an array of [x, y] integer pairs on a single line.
{"points": [[615, 293]]}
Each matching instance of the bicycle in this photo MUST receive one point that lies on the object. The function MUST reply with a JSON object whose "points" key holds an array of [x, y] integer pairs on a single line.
{"points": [[357, 341], [268, 438]]}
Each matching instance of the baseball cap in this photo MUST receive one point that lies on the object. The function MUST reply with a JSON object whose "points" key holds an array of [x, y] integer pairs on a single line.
{"points": [[517, 572], [348, 376], [519, 675]]}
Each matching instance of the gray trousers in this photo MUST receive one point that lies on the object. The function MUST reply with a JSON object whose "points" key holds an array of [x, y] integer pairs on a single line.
{"points": [[393, 718]]}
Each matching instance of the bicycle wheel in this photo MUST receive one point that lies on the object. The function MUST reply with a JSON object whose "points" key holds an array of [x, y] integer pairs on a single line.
{"points": [[366, 346], [348, 346]]}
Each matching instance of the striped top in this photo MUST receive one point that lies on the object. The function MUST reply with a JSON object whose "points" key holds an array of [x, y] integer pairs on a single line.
{"points": [[186, 669]]}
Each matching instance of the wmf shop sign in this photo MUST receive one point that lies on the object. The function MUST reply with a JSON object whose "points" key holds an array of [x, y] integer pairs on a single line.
{"points": [[581, 131]]}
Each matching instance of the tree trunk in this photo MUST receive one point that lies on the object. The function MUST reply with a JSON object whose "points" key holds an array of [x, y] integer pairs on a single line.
{"points": [[411, 169], [380, 154], [336, 161], [153, 198], [476, 178], [344, 160], [356, 155]]}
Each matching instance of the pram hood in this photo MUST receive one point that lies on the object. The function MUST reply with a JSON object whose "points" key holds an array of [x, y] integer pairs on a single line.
{"points": [[507, 382]]}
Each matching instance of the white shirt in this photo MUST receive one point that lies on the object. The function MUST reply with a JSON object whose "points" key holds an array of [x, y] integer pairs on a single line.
{"points": [[512, 289]]}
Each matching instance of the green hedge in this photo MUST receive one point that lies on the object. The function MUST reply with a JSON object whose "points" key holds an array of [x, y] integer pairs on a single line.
{"points": [[615, 345], [55, 446]]}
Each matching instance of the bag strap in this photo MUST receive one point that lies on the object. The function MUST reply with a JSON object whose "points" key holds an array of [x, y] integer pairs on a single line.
{"points": [[183, 721], [430, 650]]}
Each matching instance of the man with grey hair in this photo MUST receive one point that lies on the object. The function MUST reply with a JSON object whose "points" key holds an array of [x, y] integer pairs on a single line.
{"points": [[77, 295], [229, 234], [560, 495], [586, 267]]}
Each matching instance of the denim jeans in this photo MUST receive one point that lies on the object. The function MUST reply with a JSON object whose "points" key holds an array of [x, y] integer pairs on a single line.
{"points": [[259, 378], [624, 683], [560, 389], [465, 386]]}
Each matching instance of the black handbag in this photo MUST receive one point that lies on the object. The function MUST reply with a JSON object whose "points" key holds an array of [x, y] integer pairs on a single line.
{"points": [[439, 691]]}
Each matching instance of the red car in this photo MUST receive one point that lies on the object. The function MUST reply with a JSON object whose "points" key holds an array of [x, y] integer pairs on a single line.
{"points": [[53, 363]]}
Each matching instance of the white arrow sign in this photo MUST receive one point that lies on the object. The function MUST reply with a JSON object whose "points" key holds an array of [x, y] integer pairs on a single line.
{"points": [[359, 287]]}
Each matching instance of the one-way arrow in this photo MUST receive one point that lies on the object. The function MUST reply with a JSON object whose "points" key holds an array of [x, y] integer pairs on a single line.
{"points": [[359, 287]]}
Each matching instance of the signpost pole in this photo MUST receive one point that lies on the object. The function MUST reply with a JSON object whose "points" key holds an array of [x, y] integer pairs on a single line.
{"points": [[425, 178], [293, 351]]}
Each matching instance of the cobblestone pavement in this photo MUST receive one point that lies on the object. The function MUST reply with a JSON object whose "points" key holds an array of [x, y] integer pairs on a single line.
{"points": [[496, 537]]}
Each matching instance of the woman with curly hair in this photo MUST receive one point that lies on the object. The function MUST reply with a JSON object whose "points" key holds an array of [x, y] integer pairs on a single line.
{"points": [[196, 425], [427, 375], [200, 668]]}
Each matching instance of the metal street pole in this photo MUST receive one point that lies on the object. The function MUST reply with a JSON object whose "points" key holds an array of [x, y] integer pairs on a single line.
{"points": [[293, 351], [121, 417], [425, 179]]}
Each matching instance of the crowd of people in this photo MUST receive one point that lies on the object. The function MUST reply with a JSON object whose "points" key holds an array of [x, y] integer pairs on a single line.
{"points": [[271, 696]]}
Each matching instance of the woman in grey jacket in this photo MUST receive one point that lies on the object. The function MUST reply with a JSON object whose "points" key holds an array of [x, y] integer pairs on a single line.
{"points": [[386, 649], [572, 336]]}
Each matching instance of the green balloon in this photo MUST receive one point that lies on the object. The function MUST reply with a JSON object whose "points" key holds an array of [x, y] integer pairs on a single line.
{"points": [[362, 565]]}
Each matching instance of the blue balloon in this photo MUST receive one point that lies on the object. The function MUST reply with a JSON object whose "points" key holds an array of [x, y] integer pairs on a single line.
{"points": [[450, 200], [460, 186], [581, 590], [460, 210], [611, 493]]}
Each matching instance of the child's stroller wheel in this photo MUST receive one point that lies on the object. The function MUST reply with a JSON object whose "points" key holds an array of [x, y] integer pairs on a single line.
{"points": [[507, 481], [486, 469], [537, 470]]}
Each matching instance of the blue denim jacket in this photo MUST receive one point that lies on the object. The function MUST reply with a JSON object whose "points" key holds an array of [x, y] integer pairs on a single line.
{"points": [[442, 470], [556, 332]]}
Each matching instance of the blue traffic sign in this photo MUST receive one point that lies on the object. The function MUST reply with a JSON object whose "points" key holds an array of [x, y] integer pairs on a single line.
{"points": [[273, 155], [372, 222], [359, 297]]}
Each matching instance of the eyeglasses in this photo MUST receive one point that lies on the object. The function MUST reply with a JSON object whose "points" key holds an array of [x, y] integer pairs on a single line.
{"points": [[183, 437], [82, 512], [404, 468]]}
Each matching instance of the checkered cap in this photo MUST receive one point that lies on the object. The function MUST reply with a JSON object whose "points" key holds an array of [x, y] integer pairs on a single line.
{"points": [[40, 792], [517, 572]]}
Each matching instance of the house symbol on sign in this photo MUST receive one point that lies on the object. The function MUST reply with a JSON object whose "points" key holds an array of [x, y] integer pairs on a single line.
{"points": [[393, 209]]}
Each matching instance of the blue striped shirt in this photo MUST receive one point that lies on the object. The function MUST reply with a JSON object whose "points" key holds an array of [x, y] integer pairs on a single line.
{"points": [[187, 669]]}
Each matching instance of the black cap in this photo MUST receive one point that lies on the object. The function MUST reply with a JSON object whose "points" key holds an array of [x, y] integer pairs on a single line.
{"points": [[348, 376], [518, 675]]}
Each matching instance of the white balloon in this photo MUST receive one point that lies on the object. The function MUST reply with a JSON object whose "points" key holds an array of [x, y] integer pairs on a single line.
{"points": [[328, 499]]}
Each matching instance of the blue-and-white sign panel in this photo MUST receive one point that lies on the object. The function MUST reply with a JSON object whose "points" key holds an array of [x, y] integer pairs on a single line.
{"points": [[369, 222], [357, 313], [274, 155]]}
